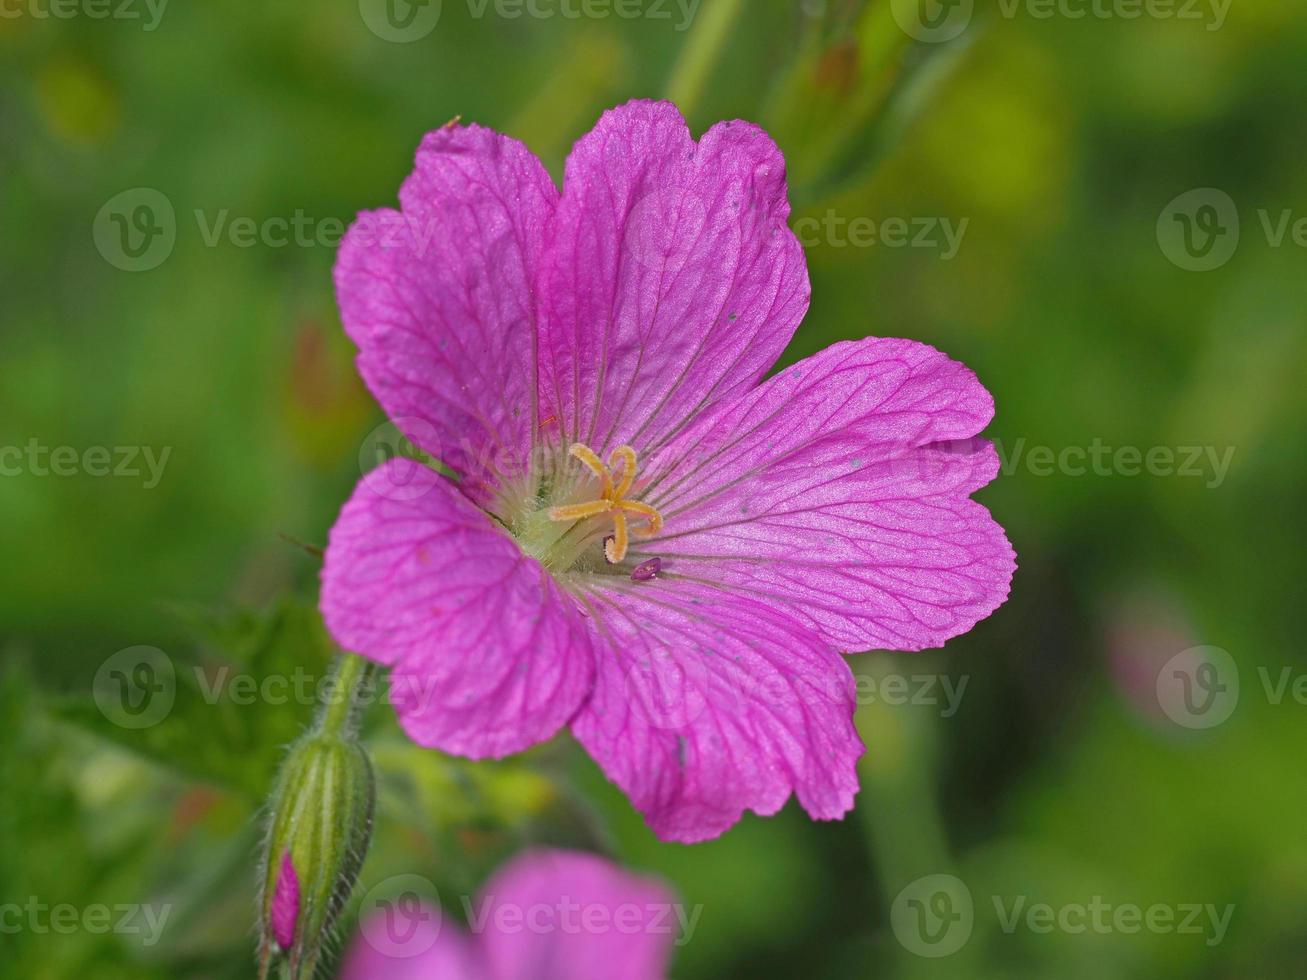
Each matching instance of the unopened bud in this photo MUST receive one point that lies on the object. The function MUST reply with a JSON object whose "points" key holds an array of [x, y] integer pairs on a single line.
{"points": [[318, 835]]}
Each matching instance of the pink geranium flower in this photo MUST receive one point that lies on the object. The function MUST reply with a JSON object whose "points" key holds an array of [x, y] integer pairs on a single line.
{"points": [[644, 540], [547, 915]]}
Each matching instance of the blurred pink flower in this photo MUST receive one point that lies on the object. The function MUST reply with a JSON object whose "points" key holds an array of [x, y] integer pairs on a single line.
{"points": [[1145, 628], [547, 915], [589, 366]]}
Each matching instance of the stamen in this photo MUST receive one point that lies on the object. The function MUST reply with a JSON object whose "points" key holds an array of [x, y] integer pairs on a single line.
{"points": [[576, 512], [627, 455], [615, 547], [591, 459], [644, 510], [612, 500]]}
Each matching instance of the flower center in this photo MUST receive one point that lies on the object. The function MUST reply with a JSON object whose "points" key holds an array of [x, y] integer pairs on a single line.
{"points": [[612, 501]]}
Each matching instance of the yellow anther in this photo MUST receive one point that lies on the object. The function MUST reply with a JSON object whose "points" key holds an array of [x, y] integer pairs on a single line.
{"points": [[576, 512], [615, 547], [591, 459], [627, 455], [644, 510], [612, 500]]}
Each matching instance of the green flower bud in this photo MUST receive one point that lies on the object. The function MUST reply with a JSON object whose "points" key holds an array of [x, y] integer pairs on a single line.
{"points": [[318, 834]]}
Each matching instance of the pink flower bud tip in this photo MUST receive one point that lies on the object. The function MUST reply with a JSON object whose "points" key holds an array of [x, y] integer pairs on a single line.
{"points": [[285, 904]]}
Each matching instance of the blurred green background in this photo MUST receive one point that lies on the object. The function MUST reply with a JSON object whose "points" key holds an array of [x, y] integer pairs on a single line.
{"points": [[1065, 772]]}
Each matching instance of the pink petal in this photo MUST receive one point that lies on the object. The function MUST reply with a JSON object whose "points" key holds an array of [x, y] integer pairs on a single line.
{"points": [[673, 281], [707, 704], [285, 909], [489, 656], [420, 949], [558, 915], [440, 299], [839, 490]]}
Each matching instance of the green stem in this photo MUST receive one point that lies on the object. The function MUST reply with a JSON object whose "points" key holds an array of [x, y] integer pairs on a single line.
{"points": [[339, 714], [699, 55]]}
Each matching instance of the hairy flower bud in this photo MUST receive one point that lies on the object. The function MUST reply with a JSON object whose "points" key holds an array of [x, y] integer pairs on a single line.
{"points": [[318, 834]]}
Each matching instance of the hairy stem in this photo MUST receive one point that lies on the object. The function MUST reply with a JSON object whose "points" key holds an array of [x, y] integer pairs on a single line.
{"points": [[340, 713]]}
